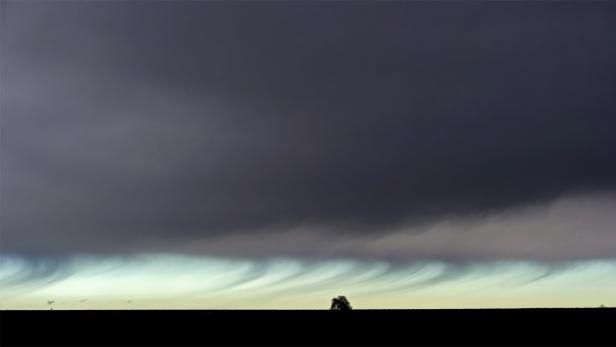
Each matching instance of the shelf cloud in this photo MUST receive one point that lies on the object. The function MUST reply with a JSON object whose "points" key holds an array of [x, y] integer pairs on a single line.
{"points": [[401, 130]]}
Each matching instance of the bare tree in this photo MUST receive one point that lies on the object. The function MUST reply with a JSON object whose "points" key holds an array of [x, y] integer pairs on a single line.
{"points": [[340, 303]]}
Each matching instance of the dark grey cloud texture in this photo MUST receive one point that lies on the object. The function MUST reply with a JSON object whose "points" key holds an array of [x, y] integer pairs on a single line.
{"points": [[137, 122]]}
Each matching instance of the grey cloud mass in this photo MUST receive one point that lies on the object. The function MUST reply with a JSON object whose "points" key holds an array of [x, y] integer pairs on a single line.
{"points": [[131, 124]]}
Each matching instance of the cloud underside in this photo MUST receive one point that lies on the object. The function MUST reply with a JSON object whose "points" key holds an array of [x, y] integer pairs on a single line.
{"points": [[402, 130], [572, 228]]}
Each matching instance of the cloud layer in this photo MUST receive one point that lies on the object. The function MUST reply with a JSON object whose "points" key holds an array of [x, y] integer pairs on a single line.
{"points": [[390, 130]]}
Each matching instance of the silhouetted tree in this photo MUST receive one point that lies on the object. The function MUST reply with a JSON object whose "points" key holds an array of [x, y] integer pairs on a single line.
{"points": [[340, 303]]}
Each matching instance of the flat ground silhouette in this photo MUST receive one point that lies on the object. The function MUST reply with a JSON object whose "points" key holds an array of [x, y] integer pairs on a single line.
{"points": [[309, 327]]}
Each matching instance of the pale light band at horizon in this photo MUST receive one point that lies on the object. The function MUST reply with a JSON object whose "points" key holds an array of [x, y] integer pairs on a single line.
{"points": [[165, 281]]}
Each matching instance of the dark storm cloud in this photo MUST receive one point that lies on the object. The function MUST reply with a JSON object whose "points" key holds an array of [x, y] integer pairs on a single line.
{"points": [[137, 122]]}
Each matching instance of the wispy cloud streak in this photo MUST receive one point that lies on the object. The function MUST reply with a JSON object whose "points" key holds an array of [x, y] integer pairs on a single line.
{"points": [[170, 281]]}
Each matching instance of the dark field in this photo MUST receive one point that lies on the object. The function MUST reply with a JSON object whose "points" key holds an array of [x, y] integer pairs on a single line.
{"points": [[319, 327]]}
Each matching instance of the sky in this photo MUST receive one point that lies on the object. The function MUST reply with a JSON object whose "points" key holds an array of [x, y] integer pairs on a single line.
{"points": [[272, 154]]}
